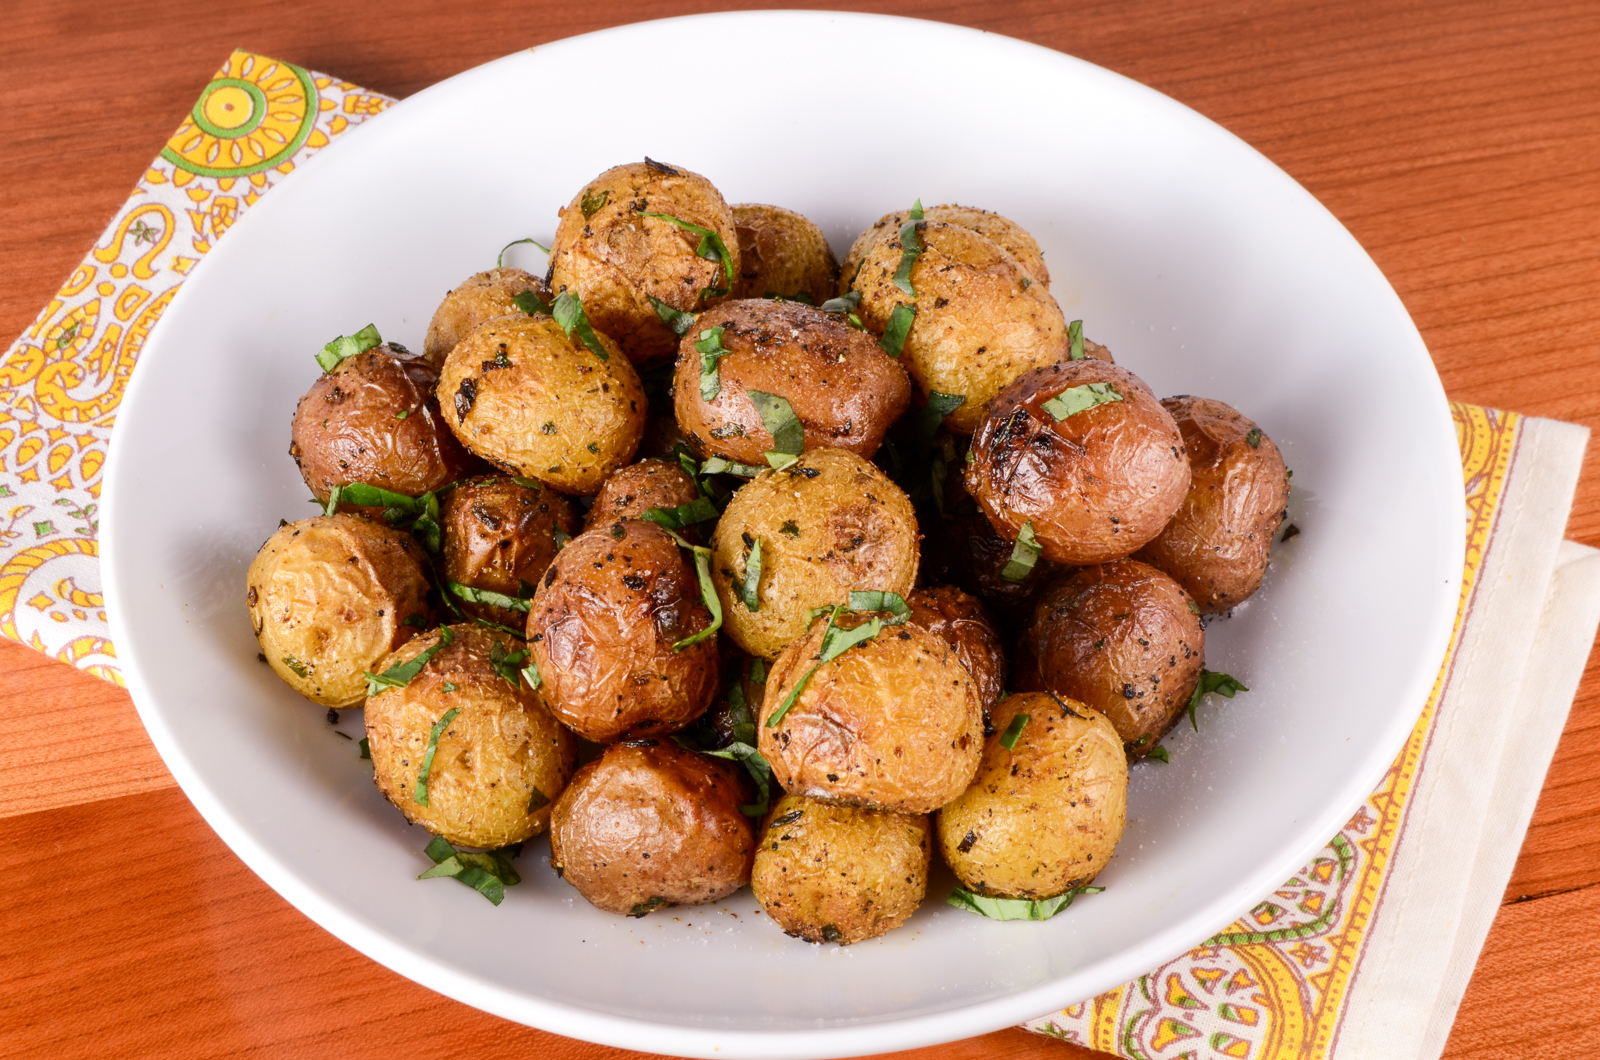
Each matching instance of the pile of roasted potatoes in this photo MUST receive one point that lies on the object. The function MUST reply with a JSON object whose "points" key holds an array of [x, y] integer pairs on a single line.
{"points": [[716, 561]]}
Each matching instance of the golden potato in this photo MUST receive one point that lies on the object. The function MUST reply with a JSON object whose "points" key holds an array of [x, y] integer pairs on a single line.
{"points": [[633, 490], [980, 321], [604, 623], [782, 253], [844, 389], [499, 762], [893, 723], [1123, 638], [650, 824], [1217, 545], [831, 873], [1002, 231], [1095, 485], [500, 535], [525, 397], [374, 419], [827, 524], [616, 258], [962, 622], [330, 596], [1045, 815], [480, 298]]}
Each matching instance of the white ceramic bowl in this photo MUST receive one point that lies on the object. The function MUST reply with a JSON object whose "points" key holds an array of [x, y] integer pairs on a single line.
{"points": [[1204, 267]]}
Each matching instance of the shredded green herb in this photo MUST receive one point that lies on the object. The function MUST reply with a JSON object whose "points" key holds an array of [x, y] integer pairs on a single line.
{"points": [[1212, 681], [485, 596], [836, 640], [843, 305], [489, 874], [1075, 342], [676, 319], [500, 262], [591, 204], [346, 346], [910, 251], [1253, 439], [1013, 733], [1024, 555], [530, 303], [507, 663], [568, 311], [709, 347], [434, 733], [899, 326], [1076, 399], [711, 247], [1159, 753], [717, 465], [531, 674], [749, 589], [1016, 908], [788, 433], [699, 510], [400, 674]]}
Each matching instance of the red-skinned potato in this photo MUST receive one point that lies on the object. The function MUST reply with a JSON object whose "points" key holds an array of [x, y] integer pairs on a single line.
{"points": [[782, 253], [500, 535], [633, 490]]}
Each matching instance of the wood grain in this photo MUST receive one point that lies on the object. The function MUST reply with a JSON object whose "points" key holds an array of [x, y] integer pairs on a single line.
{"points": [[1458, 141]]}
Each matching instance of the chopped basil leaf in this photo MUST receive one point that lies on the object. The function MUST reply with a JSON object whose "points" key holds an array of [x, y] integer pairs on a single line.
{"points": [[789, 529], [591, 204], [366, 747], [1077, 398], [500, 262], [835, 641], [1026, 283], [676, 319], [1024, 554], [777, 416], [711, 247], [530, 303], [1074, 344], [717, 465], [450, 686], [508, 663], [333, 500], [758, 671], [711, 350], [569, 313], [749, 589], [527, 483], [745, 754], [708, 591], [296, 665], [1016, 908], [434, 733], [400, 674], [845, 303], [1159, 753], [916, 210], [699, 510], [894, 335], [879, 600], [489, 874], [1013, 732], [910, 251], [531, 674], [1212, 681], [932, 414], [1253, 439], [485, 596], [561, 538], [1194, 608], [346, 346]]}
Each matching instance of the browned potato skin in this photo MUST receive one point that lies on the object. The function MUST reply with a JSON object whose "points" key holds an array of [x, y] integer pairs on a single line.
{"points": [[853, 528], [333, 592], [650, 824], [978, 325], [1217, 545], [374, 419], [963, 549], [633, 490], [845, 389], [499, 764], [524, 396], [1002, 231], [781, 252], [894, 723], [1046, 815], [616, 260], [962, 622], [1097, 485], [498, 535], [1123, 638], [480, 298], [601, 629], [831, 873]]}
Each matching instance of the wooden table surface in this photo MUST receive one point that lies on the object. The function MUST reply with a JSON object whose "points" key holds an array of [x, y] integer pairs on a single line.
{"points": [[1459, 142]]}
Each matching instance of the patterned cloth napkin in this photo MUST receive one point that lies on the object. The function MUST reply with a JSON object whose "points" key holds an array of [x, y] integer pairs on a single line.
{"points": [[1326, 967]]}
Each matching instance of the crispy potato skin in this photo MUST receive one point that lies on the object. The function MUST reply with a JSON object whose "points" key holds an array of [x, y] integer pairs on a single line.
{"points": [[831, 873], [828, 524], [498, 535], [332, 593], [962, 622], [633, 490], [1046, 815], [616, 260], [894, 723], [843, 387], [646, 826], [480, 298], [601, 629], [1097, 485], [1217, 545], [499, 764], [522, 395], [374, 419], [1002, 231], [1123, 638], [781, 252], [978, 325]]}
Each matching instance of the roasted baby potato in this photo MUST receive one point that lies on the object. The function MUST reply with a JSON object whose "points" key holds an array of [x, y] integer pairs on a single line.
{"points": [[649, 824], [962, 548], [608, 632], [980, 321], [331, 595], [1123, 638], [616, 258], [1046, 814], [1002, 231], [500, 535], [893, 723], [374, 419], [844, 389], [831, 873], [1216, 546], [827, 524], [782, 253], [498, 763], [633, 490], [523, 395], [480, 298], [962, 622], [1096, 484]]}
